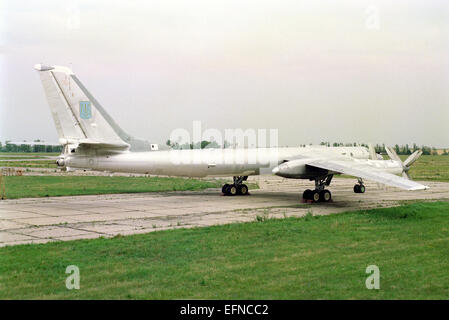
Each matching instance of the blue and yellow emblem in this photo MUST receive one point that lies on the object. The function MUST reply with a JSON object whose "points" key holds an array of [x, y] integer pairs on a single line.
{"points": [[85, 110]]}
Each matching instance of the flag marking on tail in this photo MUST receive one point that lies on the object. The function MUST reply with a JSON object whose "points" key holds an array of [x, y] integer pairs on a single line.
{"points": [[85, 110]]}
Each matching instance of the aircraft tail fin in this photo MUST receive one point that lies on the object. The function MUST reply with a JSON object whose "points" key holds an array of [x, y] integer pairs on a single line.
{"points": [[77, 114], [372, 152]]}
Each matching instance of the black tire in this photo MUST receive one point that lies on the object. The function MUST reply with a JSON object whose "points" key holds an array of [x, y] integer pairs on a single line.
{"points": [[357, 188], [243, 189], [232, 190], [307, 194], [362, 188], [316, 196], [225, 188], [325, 196]]}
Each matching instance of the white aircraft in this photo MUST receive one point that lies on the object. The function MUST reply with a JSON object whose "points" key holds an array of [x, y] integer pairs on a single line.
{"points": [[92, 140]]}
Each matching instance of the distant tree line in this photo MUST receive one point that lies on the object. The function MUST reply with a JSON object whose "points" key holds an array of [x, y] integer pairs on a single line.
{"points": [[400, 149], [10, 147]]}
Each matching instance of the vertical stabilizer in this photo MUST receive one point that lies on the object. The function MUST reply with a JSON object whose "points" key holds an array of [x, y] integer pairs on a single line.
{"points": [[77, 114]]}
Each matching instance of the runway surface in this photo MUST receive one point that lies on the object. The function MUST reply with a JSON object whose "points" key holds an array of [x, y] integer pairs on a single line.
{"points": [[41, 220]]}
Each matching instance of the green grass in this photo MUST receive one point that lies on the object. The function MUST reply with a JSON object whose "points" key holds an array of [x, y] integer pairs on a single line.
{"points": [[29, 164], [307, 258], [30, 154], [21, 157], [46, 186]]}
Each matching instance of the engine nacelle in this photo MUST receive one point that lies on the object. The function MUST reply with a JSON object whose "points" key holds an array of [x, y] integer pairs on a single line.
{"points": [[298, 169]]}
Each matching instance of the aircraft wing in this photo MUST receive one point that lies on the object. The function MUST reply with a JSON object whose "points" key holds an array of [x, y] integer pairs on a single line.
{"points": [[361, 170]]}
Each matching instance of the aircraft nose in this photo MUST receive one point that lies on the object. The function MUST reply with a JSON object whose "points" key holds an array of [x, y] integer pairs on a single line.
{"points": [[275, 170]]}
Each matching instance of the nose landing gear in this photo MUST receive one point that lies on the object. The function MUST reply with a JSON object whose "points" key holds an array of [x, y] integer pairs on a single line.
{"points": [[360, 187]]}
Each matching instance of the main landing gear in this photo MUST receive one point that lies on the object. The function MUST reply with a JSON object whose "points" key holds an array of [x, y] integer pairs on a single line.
{"points": [[319, 194], [237, 188], [360, 187]]}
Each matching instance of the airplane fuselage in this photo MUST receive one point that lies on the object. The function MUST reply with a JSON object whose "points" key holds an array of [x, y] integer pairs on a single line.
{"points": [[93, 140], [220, 162]]}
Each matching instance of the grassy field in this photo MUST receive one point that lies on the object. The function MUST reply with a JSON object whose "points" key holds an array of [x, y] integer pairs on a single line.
{"points": [[29, 164], [45, 186], [40, 159], [20, 157], [29, 154], [323, 257]]}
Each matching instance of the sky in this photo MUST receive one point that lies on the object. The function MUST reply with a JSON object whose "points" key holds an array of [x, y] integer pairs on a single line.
{"points": [[344, 71]]}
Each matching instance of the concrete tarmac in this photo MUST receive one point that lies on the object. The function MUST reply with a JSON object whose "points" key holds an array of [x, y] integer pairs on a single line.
{"points": [[40, 220]]}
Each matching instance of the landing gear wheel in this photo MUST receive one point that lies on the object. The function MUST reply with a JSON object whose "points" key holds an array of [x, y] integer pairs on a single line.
{"points": [[359, 188], [243, 190], [225, 188], [232, 190], [307, 195], [315, 196], [325, 196]]}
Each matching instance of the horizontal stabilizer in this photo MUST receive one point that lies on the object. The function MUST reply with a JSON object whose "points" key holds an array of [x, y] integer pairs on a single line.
{"points": [[102, 145]]}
